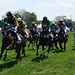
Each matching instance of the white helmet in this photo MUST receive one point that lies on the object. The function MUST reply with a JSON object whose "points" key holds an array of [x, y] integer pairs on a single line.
{"points": [[33, 22], [19, 19], [61, 19]]}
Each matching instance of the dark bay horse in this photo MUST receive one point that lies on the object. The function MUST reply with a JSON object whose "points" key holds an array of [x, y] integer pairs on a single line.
{"points": [[45, 40], [8, 43], [62, 38], [35, 36]]}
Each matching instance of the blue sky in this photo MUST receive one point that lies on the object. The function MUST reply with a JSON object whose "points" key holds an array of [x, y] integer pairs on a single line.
{"points": [[49, 8]]}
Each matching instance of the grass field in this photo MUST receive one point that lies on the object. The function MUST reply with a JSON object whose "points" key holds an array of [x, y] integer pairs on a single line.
{"points": [[58, 63]]}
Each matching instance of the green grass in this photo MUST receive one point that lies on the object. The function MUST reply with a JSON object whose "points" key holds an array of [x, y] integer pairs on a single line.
{"points": [[58, 63]]}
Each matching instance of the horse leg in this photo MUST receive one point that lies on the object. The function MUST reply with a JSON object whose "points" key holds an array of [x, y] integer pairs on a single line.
{"points": [[60, 45], [37, 49], [56, 44], [2, 51], [48, 51], [5, 55], [45, 50], [29, 44], [64, 46], [33, 46], [42, 50], [18, 54], [52, 46], [23, 51]]}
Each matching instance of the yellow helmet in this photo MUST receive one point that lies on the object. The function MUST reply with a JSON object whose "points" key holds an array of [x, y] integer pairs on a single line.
{"points": [[9, 13]]}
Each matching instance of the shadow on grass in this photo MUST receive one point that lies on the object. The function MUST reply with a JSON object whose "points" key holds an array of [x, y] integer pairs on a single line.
{"points": [[73, 49], [57, 51], [37, 59], [19, 57], [6, 65]]}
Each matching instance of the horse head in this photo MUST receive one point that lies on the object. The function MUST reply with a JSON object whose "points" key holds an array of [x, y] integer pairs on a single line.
{"points": [[62, 32], [44, 27], [19, 30]]}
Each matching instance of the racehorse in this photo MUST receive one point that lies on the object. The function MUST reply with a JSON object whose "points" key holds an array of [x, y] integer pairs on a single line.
{"points": [[35, 36], [62, 38], [8, 43], [45, 40], [55, 38]]}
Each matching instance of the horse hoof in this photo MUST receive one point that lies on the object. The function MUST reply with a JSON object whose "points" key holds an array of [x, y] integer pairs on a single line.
{"points": [[24, 55], [4, 59], [37, 54], [20, 58], [57, 47], [64, 48], [41, 55], [15, 62], [0, 57]]}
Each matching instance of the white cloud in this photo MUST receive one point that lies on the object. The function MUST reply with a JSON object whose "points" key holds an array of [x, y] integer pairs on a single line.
{"points": [[57, 3], [64, 4], [8, 1], [46, 5]]}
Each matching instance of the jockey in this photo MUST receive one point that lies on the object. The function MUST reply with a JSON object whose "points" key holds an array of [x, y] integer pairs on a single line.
{"points": [[60, 24], [45, 21], [34, 27], [53, 27], [22, 26], [12, 23]]}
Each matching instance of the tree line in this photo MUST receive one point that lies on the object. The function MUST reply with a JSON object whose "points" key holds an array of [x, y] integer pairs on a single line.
{"points": [[27, 17]]}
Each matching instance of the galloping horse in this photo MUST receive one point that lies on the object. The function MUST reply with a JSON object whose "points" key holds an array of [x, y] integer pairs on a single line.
{"points": [[62, 38], [35, 36], [8, 43], [45, 40]]}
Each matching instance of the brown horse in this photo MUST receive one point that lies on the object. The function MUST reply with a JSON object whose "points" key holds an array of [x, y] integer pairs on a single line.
{"points": [[45, 40], [62, 38], [8, 43]]}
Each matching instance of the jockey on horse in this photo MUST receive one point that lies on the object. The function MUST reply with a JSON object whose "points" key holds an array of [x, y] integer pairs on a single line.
{"points": [[34, 28], [12, 38], [12, 24], [46, 38], [53, 29], [62, 24], [46, 23], [22, 27], [62, 34]]}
